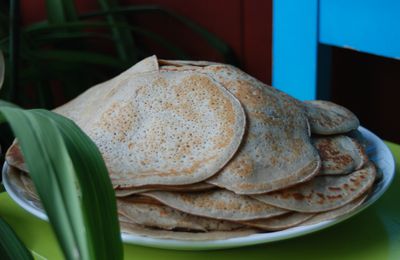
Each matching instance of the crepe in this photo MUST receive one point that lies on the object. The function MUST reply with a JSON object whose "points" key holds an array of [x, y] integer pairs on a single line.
{"points": [[339, 154], [276, 150], [14, 157], [332, 214], [164, 217], [28, 185], [15, 176], [285, 221], [327, 118], [81, 109], [159, 128], [218, 204], [293, 219], [323, 193], [201, 186], [149, 64], [185, 63], [191, 236]]}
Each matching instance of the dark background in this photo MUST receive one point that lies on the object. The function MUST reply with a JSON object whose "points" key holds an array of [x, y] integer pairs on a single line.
{"points": [[366, 84]]}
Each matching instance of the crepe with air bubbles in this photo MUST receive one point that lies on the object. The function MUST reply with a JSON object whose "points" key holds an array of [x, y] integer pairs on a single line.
{"points": [[158, 128], [323, 192], [339, 154], [276, 150]]}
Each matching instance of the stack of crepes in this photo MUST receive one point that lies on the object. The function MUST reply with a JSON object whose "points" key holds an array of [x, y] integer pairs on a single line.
{"points": [[201, 150]]}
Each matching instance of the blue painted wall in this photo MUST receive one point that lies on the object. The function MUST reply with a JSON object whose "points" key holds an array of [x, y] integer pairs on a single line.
{"points": [[295, 39], [370, 26]]}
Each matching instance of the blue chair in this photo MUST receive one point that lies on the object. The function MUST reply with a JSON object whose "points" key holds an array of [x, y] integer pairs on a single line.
{"points": [[305, 30]]}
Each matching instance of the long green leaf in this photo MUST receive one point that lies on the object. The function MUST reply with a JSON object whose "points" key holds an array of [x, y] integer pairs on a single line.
{"points": [[62, 11], [80, 57], [55, 70], [44, 26], [11, 246], [59, 11], [4, 103], [54, 37], [2, 69], [107, 221], [44, 32], [72, 182], [45, 96], [124, 42]]}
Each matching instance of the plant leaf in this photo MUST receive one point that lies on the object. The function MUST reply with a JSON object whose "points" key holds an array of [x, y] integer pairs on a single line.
{"points": [[124, 42], [53, 37], [80, 57], [72, 182], [59, 11], [2, 69], [44, 26], [45, 96], [99, 185], [4, 103], [11, 246]]}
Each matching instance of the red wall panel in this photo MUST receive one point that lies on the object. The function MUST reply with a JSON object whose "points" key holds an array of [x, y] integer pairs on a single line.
{"points": [[244, 24], [257, 38]]}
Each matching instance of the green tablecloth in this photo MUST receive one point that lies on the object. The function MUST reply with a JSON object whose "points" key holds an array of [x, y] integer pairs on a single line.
{"points": [[372, 234]]}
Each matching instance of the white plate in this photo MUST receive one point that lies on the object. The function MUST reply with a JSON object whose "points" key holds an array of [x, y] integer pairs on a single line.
{"points": [[376, 150]]}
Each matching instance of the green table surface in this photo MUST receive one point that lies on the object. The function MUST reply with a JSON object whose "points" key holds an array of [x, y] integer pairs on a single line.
{"points": [[372, 234]]}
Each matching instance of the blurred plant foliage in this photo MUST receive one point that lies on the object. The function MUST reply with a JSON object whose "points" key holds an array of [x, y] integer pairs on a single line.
{"points": [[61, 51]]}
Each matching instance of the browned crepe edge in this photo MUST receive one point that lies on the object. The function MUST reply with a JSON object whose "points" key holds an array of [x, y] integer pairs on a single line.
{"points": [[292, 193], [124, 192], [130, 228], [285, 221], [333, 214], [189, 210]]}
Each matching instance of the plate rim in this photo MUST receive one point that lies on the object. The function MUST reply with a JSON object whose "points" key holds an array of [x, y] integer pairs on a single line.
{"points": [[253, 239]]}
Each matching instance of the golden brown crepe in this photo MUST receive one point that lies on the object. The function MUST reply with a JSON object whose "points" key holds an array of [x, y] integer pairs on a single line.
{"points": [[164, 217], [323, 192], [332, 214], [327, 118], [200, 186], [131, 228], [276, 150], [339, 154], [218, 204], [285, 221], [158, 128]]}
